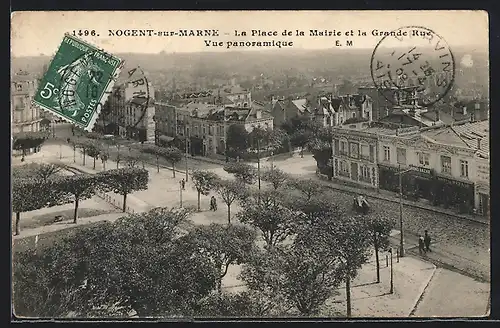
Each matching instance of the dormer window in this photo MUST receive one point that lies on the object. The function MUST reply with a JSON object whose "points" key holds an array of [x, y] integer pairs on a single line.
{"points": [[19, 87]]}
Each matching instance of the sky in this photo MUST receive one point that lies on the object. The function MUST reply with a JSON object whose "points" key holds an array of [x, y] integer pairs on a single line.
{"points": [[35, 33]]}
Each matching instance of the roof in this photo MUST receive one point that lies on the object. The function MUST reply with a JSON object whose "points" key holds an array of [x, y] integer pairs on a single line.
{"points": [[252, 114], [446, 136], [22, 76], [471, 132], [301, 104], [201, 110]]}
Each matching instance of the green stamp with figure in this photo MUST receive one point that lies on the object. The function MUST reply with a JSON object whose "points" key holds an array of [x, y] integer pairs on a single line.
{"points": [[77, 83]]}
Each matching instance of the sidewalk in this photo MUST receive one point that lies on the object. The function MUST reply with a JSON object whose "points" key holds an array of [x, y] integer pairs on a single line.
{"points": [[411, 277], [391, 197]]}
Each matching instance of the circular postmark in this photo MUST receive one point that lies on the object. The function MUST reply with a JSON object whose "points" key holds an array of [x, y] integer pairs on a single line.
{"points": [[414, 62], [136, 93]]}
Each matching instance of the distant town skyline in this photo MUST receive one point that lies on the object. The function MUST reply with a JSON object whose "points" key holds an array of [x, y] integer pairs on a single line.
{"points": [[31, 35]]}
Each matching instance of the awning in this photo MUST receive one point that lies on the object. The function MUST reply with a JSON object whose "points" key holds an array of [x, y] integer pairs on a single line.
{"points": [[166, 138]]}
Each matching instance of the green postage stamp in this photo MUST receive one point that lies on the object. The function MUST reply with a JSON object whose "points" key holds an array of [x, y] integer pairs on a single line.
{"points": [[77, 83]]}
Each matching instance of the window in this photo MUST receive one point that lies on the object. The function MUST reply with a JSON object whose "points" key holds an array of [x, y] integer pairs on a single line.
{"points": [[387, 153], [337, 145], [354, 150], [464, 169], [423, 159], [365, 151], [343, 147], [344, 169], [365, 174], [204, 130], [401, 155], [446, 164], [19, 87], [372, 152], [354, 115]]}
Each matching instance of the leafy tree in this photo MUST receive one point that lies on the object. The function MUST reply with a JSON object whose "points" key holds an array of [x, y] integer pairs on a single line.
{"points": [[135, 264], [309, 279], [300, 138], [231, 191], [36, 171], [93, 149], [380, 227], [124, 181], [46, 171], [204, 182], [308, 187], [173, 155], [131, 160], [343, 238], [80, 186], [27, 140], [28, 194], [276, 177], [237, 138], [275, 221], [242, 171], [104, 155], [224, 245], [244, 304], [158, 152]]}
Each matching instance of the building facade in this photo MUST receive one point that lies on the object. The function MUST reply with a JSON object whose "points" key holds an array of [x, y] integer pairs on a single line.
{"points": [[205, 125], [25, 116], [445, 165], [355, 156], [128, 115]]}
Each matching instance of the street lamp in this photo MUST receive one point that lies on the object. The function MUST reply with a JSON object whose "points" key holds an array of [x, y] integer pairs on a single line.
{"points": [[186, 152], [180, 192], [392, 274], [401, 241]]}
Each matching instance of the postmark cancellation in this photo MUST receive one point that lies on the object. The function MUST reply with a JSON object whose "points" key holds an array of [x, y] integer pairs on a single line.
{"points": [[77, 82]]}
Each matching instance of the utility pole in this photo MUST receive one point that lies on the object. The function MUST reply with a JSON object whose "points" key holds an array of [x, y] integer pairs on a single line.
{"points": [[180, 192], [186, 153], [401, 240], [333, 152], [392, 274], [258, 160]]}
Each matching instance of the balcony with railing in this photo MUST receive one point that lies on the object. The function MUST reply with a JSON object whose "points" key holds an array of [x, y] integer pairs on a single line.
{"points": [[345, 174], [365, 179]]}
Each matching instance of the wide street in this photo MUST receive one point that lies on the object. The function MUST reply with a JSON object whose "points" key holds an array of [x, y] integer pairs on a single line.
{"points": [[458, 244]]}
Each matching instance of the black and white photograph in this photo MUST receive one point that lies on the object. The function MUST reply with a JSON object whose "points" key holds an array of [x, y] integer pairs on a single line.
{"points": [[250, 164]]}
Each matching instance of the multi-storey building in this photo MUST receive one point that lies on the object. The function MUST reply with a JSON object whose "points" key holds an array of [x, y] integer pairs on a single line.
{"points": [[355, 154], [446, 164], [25, 116], [327, 109], [128, 115], [205, 125]]}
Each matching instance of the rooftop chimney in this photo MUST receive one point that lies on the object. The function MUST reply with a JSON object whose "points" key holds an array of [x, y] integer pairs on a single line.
{"points": [[437, 116], [478, 143], [258, 114], [464, 110]]}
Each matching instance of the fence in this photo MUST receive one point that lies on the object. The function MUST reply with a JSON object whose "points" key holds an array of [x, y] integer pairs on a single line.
{"points": [[117, 204]]}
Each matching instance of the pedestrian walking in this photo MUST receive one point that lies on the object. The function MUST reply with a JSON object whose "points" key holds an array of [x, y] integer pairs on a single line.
{"points": [[421, 245], [213, 203], [427, 241], [183, 184]]}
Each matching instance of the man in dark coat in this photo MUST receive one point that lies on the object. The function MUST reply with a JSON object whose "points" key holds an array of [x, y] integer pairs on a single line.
{"points": [[421, 245], [427, 241]]}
